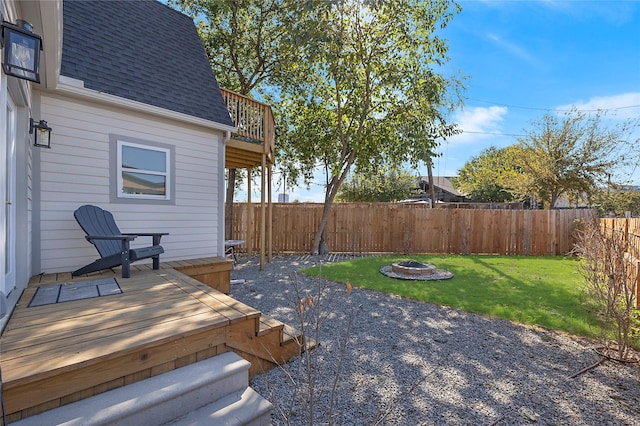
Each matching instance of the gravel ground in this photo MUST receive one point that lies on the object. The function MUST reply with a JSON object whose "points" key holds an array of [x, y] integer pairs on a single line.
{"points": [[413, 363]]}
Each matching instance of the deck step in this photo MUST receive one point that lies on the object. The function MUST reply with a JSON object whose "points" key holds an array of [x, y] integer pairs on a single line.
{"points": [[167, 397], [290, 335], [287, 335], [269, 324]]}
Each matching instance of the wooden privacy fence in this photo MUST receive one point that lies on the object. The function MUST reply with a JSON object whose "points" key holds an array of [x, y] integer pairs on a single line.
{"points": [[629, 231], [410, 228]]}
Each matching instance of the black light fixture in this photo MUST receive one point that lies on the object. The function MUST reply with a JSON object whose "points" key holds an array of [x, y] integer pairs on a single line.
{"points": [[41, 133], [21, 50]]}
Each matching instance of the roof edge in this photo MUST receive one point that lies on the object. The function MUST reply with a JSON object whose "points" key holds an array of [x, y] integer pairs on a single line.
{"points": [[69, 88]]}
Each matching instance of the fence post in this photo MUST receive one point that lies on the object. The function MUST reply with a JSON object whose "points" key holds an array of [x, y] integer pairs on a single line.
{"points": [[626, 231], [637, 301]]}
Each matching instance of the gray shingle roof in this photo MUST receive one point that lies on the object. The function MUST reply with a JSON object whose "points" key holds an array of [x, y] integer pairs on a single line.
{"points": [[444, 183], [143, 51]]}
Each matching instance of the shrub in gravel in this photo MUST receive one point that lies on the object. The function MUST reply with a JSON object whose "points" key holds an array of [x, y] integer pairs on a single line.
{"points": [[611, 273], [316, 379]]}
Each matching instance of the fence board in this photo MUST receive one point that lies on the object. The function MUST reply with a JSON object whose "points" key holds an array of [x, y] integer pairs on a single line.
{"points": [[629, 231], [408, 228]]}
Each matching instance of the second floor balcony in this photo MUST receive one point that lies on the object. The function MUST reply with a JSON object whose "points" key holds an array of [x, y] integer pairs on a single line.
{"points": [[255, 136]]}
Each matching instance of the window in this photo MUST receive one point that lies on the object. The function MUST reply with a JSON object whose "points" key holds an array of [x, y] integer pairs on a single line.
{"points": [[143, 171]]}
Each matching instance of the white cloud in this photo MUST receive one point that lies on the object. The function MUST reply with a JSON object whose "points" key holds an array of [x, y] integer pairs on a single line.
{"points": [[514, 49], [622, 106], [478, 124]]}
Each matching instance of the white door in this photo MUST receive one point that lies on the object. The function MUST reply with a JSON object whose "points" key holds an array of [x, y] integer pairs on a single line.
{"points": [[8, 196]]}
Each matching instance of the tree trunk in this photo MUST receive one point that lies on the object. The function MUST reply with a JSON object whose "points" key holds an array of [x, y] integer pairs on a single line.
{"points": [[228, 209], [432, 190], [319, 245]]}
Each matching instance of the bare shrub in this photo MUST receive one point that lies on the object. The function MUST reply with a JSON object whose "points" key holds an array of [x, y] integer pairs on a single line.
{"points": [[611, 275], [324, 315], [312, 399]]}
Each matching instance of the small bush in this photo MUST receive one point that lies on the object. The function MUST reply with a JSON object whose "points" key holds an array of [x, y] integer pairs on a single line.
{"points": [[611, 275]]}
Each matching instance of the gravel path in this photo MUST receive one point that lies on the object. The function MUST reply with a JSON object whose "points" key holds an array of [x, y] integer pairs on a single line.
{"points": [[413, 363]]}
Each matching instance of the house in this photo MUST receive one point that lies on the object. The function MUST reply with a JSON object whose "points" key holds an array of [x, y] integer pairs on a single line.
{"points": [[444, 189], [112, 89], [138, 126]]}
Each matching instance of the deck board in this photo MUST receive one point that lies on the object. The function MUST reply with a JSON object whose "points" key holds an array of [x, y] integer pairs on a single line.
{"points": [[89, 327], [42, 359], [163, 319], [154, 306], [22, 395], [224, 304], [129, 298]]}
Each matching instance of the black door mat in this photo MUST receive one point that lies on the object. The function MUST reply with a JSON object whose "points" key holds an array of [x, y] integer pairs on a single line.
{"points": [[66, 292]]}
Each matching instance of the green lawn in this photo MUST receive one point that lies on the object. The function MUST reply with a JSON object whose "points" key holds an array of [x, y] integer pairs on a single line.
{"points": [[544, 291]]}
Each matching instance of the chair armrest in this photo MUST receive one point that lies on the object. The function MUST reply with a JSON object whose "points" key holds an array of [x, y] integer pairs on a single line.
{"points": [[147, 234], [156, 236], [111, 237]]}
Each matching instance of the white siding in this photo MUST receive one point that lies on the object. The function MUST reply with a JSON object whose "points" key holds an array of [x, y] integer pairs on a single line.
{"points": [[76, 171]]}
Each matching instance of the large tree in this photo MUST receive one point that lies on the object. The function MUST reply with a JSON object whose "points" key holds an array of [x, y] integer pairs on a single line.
{"points": [[573, 154], [367, 92], [487, 176], [251, 45]]}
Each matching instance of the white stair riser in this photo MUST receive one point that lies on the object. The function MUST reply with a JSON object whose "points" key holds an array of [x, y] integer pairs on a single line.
{"points": [[157, 400], [238, 408]]}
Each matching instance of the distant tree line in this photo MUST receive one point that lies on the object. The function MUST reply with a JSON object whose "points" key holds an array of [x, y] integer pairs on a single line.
{"points": [[383, 186], [573, 155]]}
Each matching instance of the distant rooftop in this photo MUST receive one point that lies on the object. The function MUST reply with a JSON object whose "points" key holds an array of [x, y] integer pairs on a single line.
{"points": [[444, 183]]}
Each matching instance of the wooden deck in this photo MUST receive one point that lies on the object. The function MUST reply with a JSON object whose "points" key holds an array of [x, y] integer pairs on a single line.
{"points": [[55, 354]]}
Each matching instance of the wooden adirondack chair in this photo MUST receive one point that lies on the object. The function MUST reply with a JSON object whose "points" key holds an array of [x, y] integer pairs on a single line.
{"points": [[113, 245]]}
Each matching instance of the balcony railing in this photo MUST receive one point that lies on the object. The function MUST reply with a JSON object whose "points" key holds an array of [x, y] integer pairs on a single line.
{"points": [[254, 121]]}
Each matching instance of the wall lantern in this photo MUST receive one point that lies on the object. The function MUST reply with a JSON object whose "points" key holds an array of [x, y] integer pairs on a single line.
{"points": [[41, 133], [21, 50]]}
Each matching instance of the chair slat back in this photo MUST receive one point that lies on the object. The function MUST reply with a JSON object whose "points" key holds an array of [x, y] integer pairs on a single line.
{"points": [[95, 221]]}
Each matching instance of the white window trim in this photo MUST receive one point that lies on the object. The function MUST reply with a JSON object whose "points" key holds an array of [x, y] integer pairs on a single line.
{"points": [[166, 174], [115, 156]]}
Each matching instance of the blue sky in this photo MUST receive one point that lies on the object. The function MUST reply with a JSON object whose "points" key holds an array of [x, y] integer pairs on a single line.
{"points": [[524, 59]]}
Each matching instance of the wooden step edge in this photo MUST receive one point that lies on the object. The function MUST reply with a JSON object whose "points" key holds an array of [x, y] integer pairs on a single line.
{"points": [[293, 337], [269, 324], [309, 344], [290, 334]]}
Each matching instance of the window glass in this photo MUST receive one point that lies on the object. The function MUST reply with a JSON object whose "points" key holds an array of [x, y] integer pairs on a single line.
{"points": [[143, 171], [140, 183], [143, 158]]}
